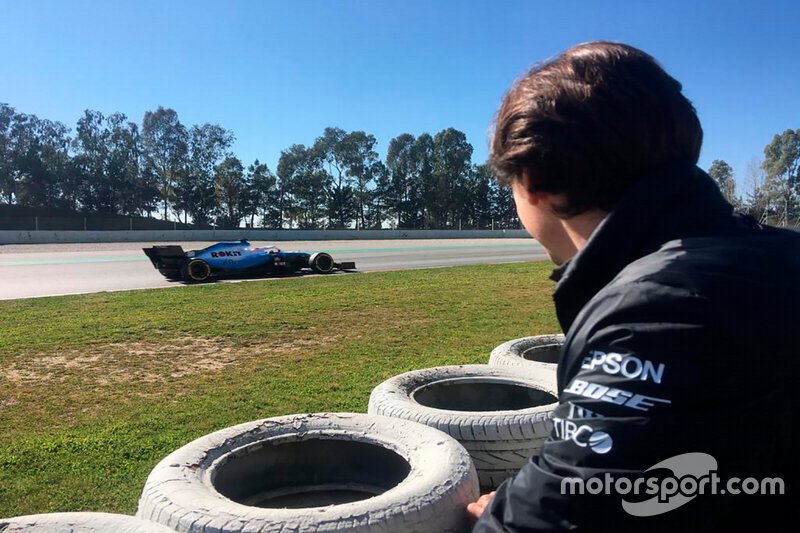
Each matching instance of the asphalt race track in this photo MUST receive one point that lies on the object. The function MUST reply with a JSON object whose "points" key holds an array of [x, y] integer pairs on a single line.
{"points": [[28, 271]]}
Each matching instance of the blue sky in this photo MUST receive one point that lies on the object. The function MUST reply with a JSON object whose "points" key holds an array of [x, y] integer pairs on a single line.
{"points": [[278, 73]]}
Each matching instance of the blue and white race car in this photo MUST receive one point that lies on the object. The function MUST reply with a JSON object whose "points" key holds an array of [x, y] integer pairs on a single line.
{"points": [[237, 258]]}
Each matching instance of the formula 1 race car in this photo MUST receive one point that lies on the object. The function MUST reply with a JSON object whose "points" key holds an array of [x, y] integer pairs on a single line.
{"points": [[237, 259]]}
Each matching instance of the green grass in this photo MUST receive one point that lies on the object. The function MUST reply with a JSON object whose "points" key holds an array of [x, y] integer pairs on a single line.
{"points": [[96, 389]]}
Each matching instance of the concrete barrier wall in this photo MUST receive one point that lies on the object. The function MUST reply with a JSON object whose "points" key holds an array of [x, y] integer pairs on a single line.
{"points": [[39, 237]]}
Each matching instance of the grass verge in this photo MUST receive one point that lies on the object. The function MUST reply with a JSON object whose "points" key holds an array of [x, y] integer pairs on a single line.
{"points": [[96, 389]]}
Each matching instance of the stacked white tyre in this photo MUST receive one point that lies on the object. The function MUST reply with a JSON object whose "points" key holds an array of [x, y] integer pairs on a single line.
{"points": [[318, 472], [541, 351], [501, 415], [79, 523]]}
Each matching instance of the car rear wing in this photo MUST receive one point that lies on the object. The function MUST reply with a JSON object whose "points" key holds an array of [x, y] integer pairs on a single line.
{"points": [[166, 257]]}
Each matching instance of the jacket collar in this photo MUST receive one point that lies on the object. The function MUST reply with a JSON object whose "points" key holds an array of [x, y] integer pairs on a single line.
{"points": [[675, 201]]}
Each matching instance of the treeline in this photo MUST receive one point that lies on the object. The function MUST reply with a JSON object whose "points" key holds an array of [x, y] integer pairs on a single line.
{"points": [[774, 183], [113, 165]]}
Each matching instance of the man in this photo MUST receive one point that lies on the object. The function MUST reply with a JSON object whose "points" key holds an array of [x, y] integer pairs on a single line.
{"points": [[681, 318]]}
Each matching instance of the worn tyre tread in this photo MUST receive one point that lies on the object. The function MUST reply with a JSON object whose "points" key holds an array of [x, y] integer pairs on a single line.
{"points": [[522, 432], [79, 523]]}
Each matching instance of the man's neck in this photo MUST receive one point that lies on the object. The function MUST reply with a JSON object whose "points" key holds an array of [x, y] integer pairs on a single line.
{"points": [[579, 229]]}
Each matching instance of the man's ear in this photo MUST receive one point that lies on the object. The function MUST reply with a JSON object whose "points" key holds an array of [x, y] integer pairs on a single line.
{"points": [[524, 190]]}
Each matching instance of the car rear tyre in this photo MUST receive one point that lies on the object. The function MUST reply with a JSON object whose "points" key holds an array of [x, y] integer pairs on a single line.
{"points": [[321, 263], [196, 270], [502, 416], [79, 523], [318, 472]]}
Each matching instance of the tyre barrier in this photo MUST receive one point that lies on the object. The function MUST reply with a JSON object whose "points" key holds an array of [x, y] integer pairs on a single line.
{"points": [[532, 352], [317, 472], [501, 415], [79, 523]]}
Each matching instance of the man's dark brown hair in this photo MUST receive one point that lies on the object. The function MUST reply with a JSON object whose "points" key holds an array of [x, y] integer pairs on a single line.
{"points": [[590, 122]]}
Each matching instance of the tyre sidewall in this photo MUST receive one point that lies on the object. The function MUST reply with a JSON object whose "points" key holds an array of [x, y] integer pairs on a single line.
{"points": [[441, 474]]}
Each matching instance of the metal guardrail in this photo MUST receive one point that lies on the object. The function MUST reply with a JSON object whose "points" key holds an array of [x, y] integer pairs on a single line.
{"points": [[88, 223]]}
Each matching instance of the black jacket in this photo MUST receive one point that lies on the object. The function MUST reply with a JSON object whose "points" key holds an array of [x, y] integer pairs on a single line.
{"points": [[682, 336]]}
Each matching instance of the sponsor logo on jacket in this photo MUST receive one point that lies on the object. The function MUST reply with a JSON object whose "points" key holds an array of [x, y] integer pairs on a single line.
{"points": [[628, 366], [604, 393], [583, 435], [576, 411]]}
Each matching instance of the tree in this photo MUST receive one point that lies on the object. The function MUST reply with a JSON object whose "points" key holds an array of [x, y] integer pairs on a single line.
{"points": [[41, 160], [106, 170], [373, 212], [722, 173], [400, 194], [332, 148], [54, 156], [451, 165], [423, 178], [285, 171], [303, 185], [782, 168], [165, 149], [8, 178], [262, 196], [230, 188], [195, 195], [503, 210], [309, 195], [130, 193], [757, 204], [363, 166], [479, 206], [22, 150], [90, 161]]}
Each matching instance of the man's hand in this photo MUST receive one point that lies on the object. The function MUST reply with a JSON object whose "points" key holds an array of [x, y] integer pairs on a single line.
{"points": [[475, 510]]}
